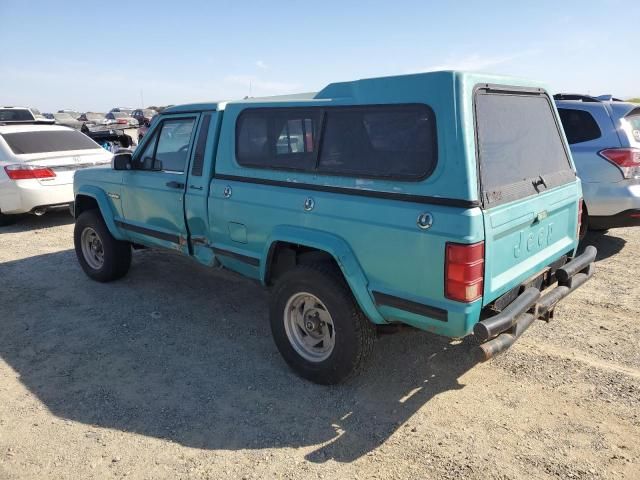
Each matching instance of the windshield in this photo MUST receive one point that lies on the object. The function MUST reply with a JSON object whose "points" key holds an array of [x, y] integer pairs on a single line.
{"points": [[15, 115], [119, 115], [48, 141]]}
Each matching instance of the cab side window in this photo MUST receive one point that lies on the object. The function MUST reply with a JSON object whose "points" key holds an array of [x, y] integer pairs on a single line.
{"points": [[167, 150]]}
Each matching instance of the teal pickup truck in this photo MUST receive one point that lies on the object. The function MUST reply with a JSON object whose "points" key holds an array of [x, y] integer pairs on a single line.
{"points": [[446, 201]]}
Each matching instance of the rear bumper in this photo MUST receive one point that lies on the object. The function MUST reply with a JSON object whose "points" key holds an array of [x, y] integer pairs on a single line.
{"points": [[500, 331], [628, 218], [27, 195], [609, 199]]}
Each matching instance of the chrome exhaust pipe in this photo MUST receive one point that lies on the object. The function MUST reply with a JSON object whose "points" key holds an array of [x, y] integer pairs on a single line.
{"points": [[38, 212]]}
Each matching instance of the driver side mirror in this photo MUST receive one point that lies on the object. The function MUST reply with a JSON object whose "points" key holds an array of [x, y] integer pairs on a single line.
{"points": [[121, 161]]}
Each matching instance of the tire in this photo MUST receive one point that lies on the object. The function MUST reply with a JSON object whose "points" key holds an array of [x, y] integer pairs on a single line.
{"points": [[116, 255], [7, 219], [584, 224], [353, 334]]}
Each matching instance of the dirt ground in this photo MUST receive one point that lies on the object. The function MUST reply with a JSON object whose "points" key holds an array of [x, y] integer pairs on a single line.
{"points": [[172, 373]]}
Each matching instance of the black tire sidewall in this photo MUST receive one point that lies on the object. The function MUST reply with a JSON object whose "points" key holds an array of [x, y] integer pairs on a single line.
{"points": [[346, 317], [116, 256]]}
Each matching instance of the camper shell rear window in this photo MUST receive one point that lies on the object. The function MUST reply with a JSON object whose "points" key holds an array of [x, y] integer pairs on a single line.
{"points": [[520, 149]]}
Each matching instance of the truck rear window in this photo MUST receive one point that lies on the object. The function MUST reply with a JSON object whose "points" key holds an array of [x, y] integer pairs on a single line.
{"points": [[520, 149], [48, 141]]}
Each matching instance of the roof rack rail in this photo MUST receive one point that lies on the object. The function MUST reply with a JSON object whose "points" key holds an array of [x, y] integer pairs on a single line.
{"points": [[575, 96]]}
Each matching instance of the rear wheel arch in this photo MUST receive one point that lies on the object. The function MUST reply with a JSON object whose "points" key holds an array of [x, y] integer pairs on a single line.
{"points": [[285, 255], [290, 247]]}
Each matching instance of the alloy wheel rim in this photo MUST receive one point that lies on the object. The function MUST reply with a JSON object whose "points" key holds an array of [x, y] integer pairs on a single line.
{"points": [[309, 327]]}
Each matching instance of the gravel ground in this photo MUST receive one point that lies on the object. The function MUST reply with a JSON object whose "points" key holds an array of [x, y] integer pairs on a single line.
{"points": [[171, 373]]}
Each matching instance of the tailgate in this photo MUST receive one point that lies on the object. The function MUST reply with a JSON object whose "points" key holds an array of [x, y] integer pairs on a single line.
{"points": [[522, 238], [530, 193]]}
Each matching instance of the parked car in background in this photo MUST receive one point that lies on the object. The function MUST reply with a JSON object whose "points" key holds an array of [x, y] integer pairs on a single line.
{"points": [[120, 118], [40, 117], [111, 139], [360, 205], [16, 115], [604, 137], [93, 118], [143, 114], [73, 113], [144, 128], [68, 120], [37, 165], [127, 110], [21, 115]]}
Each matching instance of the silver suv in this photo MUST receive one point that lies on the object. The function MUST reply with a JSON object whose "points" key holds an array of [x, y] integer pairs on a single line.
{"points": [[604, 135]]}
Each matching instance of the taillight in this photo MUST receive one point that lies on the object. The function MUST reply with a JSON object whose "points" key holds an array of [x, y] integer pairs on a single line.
{"points": [[579, 217], [626, 159], [28, 172], [464, 271], [122, 120]]}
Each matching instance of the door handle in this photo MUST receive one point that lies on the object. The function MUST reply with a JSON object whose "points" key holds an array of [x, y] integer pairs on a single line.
{"points": [[194, 187], [174, 184]]}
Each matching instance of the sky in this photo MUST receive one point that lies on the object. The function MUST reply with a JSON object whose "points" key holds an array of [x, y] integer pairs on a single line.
{"points": [[93, 55]]}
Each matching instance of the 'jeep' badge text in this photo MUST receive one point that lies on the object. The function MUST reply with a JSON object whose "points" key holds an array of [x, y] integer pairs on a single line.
{"points": [[533, 240]]}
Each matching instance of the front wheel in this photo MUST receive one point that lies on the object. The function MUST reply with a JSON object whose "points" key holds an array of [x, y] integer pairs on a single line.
{"points": [[317, 325], [102, 257]]}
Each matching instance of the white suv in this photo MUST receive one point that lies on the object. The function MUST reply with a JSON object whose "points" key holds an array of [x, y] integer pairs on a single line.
{"points": [[37, 164]]}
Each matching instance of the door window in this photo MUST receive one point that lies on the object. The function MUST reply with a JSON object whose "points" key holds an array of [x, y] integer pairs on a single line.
{"points": [[145, 160], [168, 149]]}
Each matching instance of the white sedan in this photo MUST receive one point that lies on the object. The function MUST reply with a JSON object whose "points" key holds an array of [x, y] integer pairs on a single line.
{"points": [[37, 164]]}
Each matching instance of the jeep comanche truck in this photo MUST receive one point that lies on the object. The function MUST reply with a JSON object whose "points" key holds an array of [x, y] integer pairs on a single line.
{"points": [[446, 201]]}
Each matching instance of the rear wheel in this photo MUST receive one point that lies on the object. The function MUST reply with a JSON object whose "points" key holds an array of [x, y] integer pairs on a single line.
{"points": [[317, 325], [102, 257]]}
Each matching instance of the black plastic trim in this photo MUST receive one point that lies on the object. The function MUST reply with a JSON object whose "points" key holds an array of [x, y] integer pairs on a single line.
{"points": [[198, 157], [169, 237], [255, 262], [410, 306], [403, 197]]}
